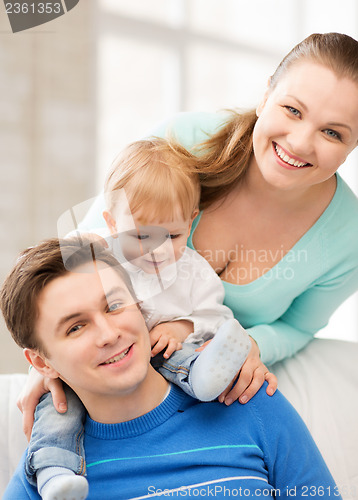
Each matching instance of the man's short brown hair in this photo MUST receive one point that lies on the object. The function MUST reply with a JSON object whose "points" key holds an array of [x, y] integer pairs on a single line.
{"points": [[35, 268]]}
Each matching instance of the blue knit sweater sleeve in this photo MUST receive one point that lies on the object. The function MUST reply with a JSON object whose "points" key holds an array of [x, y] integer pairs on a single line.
{"points": [[294, 463]]}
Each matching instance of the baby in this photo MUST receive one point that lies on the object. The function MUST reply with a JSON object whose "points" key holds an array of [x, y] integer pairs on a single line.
{"points": [[152, 194]]}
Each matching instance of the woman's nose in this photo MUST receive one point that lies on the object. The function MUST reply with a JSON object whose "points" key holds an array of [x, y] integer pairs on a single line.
{"points": [[301, 141]]}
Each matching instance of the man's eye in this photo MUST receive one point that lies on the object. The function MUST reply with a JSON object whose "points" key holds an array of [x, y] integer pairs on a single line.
{"points": [[115, 306], [142, 236], [173, 236], [74, 329]]}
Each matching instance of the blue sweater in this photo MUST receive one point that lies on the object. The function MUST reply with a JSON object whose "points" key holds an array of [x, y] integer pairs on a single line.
{"points": [[201, 449]]}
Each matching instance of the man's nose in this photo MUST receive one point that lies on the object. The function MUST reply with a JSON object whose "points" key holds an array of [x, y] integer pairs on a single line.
{"points": [[107, 331]]}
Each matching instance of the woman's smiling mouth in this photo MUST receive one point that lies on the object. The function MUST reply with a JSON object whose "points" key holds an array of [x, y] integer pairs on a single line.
{"points": [[286, 158]]}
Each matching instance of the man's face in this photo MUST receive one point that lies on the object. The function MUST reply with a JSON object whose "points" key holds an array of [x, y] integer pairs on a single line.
{"points": [[94, 333]]}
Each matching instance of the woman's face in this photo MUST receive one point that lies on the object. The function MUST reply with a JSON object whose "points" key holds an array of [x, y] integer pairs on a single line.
{"points": [[307, 125]]}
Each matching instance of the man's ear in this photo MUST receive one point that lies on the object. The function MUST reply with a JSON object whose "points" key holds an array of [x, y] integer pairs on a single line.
{"points": [[111, 223], [261, 106], [41, 364]]}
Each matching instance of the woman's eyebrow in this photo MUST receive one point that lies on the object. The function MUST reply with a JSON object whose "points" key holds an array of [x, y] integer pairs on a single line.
{"points": [[331, 124], [337, 124], [298, 100]]}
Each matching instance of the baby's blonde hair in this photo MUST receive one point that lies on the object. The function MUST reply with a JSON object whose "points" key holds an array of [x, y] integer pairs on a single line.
{"points": [[158, 177]]}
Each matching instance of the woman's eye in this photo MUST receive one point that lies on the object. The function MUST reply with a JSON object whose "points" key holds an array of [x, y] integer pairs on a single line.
{"points": [[293, 110], [333, 134], [142, 236], [173, 236]]}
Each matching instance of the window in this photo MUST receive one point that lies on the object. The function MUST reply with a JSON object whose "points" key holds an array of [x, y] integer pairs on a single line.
{"points": [[158, 57]]}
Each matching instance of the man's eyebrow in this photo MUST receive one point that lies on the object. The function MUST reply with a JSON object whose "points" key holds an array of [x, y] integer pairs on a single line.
{"points": [[65, 319], [115, 290]]}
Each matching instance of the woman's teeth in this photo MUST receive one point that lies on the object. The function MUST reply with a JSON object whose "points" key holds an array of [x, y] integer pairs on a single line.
{"points": [[117, 358], [287, 159]]}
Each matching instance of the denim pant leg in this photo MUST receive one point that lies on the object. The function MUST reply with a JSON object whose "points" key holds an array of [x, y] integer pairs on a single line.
{"points": [[177, 368], [57, 438]]}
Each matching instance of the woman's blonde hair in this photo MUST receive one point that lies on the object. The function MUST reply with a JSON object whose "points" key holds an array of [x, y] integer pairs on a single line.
{"points": [[224, 158], [158, 177]]}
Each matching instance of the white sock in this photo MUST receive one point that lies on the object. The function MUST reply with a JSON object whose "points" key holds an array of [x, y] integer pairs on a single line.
{"points": [[218, 363], [59, 483]]}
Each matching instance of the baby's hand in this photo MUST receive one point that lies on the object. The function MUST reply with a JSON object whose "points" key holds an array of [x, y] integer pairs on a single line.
{"points": [[251, 377], [169, 335], [95, 238], [36, 385]]}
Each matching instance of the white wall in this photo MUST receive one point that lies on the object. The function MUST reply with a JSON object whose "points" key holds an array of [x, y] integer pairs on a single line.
{"points": [[47, 135]]}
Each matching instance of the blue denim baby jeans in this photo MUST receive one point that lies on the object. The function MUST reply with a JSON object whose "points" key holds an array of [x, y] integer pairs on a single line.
{"points": [[176, 369], [57, 438]]}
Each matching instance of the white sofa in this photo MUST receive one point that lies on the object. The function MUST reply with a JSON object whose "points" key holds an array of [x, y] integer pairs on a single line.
{"points": [[321, 382]]}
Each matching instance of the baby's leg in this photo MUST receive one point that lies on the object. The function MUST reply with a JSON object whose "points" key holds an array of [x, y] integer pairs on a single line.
{"points": [[220, 361], [206, 374], [55, 457]]}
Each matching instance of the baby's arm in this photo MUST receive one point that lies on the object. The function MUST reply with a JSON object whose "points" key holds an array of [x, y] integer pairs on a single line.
{"points": [[55, 456], [36, 386]]}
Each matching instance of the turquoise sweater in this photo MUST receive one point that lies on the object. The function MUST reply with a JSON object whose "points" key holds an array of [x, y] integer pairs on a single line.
{"points": [[198, 449], [284, 308]]}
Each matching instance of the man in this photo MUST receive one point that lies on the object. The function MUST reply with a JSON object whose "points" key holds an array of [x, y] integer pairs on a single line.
{"points": [[70, 306]]}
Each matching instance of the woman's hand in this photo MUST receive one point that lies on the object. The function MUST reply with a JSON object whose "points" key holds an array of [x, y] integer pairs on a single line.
{"points": [[169, 335], [36, 385], [251, 377]]}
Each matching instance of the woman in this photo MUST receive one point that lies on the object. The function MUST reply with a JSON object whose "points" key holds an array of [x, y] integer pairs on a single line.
{"points": [[278, 224]]}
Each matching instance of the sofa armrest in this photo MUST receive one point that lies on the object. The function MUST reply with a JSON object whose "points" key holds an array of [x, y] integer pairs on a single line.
{"points": [[321, 382], [12, 440]]}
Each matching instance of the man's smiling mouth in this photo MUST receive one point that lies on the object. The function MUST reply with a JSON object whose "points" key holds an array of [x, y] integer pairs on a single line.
{"points": [[117, 357], [282, 154]]}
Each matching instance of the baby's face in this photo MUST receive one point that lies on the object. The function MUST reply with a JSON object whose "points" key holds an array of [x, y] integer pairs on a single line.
{"points": [[154, 245]]}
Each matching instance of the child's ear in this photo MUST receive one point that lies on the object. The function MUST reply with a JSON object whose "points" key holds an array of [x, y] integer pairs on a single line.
{"points": [[41, 364], [193, 215], [111, 223]]}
